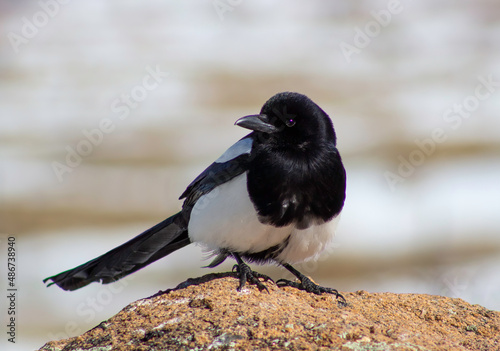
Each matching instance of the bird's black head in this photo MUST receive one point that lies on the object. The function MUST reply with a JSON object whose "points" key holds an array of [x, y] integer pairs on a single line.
{"points": [[291, 118]]}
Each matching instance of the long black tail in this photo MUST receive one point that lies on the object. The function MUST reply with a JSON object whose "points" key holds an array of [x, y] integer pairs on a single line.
{"points": [[155, 243]]}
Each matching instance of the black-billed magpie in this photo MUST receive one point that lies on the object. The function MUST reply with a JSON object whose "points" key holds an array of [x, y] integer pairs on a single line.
{"points": [[274, 196]]}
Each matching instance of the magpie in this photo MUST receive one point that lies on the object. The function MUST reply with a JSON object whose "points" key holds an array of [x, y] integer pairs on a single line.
{"points": [[275, 196]]}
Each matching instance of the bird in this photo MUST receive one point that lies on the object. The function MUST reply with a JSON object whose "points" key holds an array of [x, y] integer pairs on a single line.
{"points": [[274, 197]]}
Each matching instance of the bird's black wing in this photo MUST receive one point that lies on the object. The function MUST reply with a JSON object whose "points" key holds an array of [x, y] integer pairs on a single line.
{"points": [[215, 174], [231, 164]]}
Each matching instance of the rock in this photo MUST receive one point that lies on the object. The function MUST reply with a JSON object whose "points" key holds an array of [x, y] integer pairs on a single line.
{"points": [[208, 313]]}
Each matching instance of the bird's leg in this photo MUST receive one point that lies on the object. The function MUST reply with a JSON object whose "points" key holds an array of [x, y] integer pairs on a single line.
{"points": [[306, 284], [247, 275]]}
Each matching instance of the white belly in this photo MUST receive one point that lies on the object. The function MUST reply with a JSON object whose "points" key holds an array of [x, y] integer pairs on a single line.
{"points": [[308, 243], [226, 218]]}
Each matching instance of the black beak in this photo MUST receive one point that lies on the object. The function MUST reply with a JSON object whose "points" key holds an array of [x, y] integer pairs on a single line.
{"points": [[258, 123]]}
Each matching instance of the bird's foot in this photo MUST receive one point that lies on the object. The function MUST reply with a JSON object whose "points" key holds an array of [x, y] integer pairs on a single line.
{"points": [[308, 285], [247, 275]]}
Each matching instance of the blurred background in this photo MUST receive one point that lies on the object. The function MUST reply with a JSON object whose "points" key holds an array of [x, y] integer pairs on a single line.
{"points": [[110, 109]]}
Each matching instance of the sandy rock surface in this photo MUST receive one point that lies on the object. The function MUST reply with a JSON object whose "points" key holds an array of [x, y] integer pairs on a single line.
{"points": [[208, 313]]}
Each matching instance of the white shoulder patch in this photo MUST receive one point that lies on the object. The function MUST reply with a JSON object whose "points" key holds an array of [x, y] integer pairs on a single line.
{"points": [[244, 146]]}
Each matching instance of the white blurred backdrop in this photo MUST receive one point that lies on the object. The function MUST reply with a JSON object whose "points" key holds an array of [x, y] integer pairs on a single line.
{"points": [[110, 109]]}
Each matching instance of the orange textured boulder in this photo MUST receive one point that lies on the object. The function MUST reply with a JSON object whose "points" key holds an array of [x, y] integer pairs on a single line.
{"points": [[208, 313]]}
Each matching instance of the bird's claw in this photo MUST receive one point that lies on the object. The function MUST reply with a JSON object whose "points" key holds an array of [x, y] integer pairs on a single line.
{"points": [[309, 286], [247, 275]]}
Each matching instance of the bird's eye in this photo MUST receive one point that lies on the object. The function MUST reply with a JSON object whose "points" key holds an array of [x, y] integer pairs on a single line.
{"points": [[290, 122]]}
